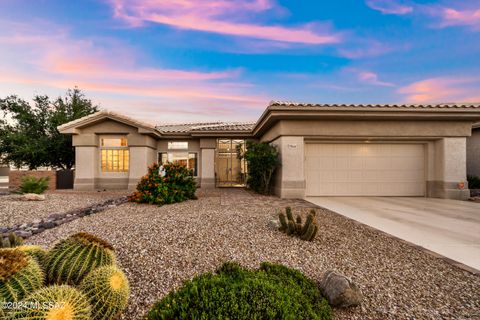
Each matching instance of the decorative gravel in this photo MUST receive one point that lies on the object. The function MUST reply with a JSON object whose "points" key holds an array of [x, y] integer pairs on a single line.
{"points": [[160, 247], [14, 211]]}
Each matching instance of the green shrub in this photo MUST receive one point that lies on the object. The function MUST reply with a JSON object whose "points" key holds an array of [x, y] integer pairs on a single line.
{"points": [[34, 185], [473, 182], [71, 259], [262, 161], [176, 185], [272, 292]]}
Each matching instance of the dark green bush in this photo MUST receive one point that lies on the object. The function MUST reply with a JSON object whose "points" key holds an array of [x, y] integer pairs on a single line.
{"points": [[473, 182], [272, 292], [262, 161], [177, 185], [34, 185]]}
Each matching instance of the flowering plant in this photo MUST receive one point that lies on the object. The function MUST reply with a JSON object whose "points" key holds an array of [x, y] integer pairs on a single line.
{"points": [[174, 183]]}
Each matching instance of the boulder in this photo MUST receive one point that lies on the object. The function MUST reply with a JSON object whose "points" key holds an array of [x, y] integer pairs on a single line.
{"points": [[274, 224], [339, 290], [33, 197]]}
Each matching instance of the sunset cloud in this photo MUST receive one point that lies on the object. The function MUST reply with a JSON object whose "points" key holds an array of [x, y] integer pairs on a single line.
{"points": [[47, 58], [373, 79], [389, 7], [220, 17], [442, 90]]}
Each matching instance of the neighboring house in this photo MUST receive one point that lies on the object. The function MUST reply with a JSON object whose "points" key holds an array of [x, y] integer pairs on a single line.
{"points": [[325, 150], [473, 152]]}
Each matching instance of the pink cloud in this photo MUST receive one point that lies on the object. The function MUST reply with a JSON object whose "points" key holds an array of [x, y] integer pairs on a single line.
{"points": [[454, 17], [221, 17], [45, 58], [365, 49], [372, 78], [441, 90], [389, 7]]}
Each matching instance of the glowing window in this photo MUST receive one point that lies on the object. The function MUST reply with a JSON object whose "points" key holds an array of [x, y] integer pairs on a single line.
{"points": [[115, 156]]}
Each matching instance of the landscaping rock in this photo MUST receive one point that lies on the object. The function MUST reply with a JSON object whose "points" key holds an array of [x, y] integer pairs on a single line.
{"points": [[33, 197], [274, 224], [339, 290]]}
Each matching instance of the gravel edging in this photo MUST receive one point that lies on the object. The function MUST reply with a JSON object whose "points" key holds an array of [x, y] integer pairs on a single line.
{"points": [[26, 230]]}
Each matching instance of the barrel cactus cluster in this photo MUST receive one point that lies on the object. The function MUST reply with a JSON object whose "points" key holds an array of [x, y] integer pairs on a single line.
{"points": [[77, 279], [295, 227]]}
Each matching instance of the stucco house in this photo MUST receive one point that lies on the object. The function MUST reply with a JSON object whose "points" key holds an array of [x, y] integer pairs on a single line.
{"points": [[473, 151], [325, 149]]}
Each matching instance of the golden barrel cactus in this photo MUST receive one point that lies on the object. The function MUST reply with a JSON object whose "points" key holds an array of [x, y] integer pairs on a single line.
{"points": [[55, 303], [70, 260], [107, 289], [20, 274]]}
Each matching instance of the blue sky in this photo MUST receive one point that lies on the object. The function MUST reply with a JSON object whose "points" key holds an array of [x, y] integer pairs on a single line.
{"points": [[187, 60]]}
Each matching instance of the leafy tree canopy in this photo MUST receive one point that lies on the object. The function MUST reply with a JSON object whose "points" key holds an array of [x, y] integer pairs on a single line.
{"points": [[29, 135]]}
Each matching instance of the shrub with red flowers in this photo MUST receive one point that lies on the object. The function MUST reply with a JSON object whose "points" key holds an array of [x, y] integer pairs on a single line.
{"points": [[176, 184]]}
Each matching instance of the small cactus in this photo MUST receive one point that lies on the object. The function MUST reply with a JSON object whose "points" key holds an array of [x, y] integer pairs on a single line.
{"points": [[10, 241], [283, 221], [308, 231], [20, 274], [107, 290], [72, 259], [62, 303]]}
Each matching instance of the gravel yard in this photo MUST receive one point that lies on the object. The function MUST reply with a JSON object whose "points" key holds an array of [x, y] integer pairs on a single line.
{"points": [[159, 247], [14, 211]]}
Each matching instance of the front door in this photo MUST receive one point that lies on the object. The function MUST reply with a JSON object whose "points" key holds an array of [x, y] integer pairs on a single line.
{"points": [[229, 170]]}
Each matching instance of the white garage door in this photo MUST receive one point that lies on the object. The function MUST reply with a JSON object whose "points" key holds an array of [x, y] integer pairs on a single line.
{"points": [[365, 169]]}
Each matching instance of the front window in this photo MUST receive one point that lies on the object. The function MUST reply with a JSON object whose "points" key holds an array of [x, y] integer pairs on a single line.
{"points": [[178, 153], [115, 156]]}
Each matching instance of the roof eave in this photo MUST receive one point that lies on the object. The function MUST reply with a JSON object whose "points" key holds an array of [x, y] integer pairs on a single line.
{"points": [[274, 113]]}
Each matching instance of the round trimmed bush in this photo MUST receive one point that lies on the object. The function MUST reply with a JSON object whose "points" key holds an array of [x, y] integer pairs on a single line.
{"points": [[107, 290], [272, 292], [176, 185], [70, 260], [20, 274], [55, 303]]}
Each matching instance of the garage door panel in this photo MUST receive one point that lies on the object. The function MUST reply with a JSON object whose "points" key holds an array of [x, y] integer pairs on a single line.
{"points": [[365, 170]]}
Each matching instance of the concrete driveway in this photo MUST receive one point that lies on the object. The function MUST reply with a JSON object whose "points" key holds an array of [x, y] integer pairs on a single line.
{"points": [[448, 227]]}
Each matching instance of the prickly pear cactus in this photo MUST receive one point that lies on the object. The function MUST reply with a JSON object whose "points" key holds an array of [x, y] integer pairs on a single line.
{"points": [[107, 290], [72, 259], [63, 303], [20, 274]]}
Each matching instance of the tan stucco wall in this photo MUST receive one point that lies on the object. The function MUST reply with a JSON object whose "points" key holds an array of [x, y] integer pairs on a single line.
{"points": [[366, 129], [207, 176], [88, 174], [473, 153], [289, 180]]}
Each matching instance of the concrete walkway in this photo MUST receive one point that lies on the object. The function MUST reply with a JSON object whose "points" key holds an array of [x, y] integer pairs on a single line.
{"points": [[448, 227]]}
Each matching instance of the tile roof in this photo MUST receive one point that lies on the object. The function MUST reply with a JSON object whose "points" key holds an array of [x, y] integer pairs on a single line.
{"points": [[206, 126], [380, 106], [105, 113]]}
